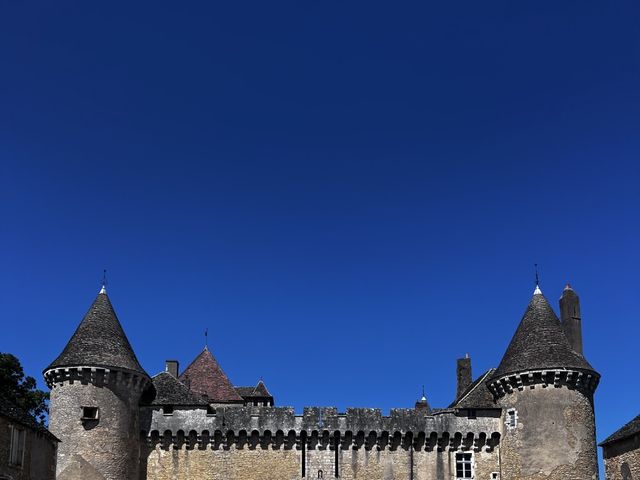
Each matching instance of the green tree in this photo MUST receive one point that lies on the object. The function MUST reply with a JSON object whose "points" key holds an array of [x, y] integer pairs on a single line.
{"points": [[21, 390]]}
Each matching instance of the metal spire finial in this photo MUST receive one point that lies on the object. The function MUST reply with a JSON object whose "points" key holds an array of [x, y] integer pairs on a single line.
{"points": [[103, 289], [537, 291], [206, 338]]}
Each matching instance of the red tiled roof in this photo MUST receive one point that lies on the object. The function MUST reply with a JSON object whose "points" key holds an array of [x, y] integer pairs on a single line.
{"points": [[204, 376]]}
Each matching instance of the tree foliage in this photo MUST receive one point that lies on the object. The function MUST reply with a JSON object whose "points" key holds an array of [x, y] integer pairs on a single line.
{"points": [[21, 390]]}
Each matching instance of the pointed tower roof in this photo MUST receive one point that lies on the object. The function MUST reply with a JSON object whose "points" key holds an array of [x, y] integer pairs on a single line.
{"points": [[261, 389], [539, 342], [99, 341], [204, 376]]}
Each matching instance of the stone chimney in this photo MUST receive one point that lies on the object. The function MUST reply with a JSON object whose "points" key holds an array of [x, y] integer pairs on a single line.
{"points": [[464, 377], [570, 318], [171, 366]]}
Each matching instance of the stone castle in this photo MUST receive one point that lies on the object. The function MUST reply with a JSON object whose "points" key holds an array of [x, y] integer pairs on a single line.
{"points": [[531, 418]]}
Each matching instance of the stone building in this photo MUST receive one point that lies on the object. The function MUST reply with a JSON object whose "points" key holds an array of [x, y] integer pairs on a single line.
{"points": [[27, 449], [530, 418], [621, 451]]}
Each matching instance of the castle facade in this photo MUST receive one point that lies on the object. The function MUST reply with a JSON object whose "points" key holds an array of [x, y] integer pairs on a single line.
{"points": [[530, 418]]}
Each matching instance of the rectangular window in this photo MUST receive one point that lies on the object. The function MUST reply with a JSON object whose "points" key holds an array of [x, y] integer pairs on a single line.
{"points": [[167, 409], [16, 448], [464, 464], [89, 413], [512, 418]]}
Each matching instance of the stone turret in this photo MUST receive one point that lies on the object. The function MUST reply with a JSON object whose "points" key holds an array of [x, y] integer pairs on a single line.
{"points": [[546, 391], [96, 386]]}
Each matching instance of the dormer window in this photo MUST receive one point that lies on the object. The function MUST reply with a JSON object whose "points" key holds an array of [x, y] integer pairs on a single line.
{"points": [[167, 410]]}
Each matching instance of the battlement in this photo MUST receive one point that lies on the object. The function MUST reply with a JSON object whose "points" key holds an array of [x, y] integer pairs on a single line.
{"points": [[100, 377], [321, 428], [585, 381]]}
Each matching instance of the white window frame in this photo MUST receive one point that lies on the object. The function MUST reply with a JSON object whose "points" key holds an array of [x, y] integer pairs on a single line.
{"points": [[467, 465], [512, 418], [17, 446]]}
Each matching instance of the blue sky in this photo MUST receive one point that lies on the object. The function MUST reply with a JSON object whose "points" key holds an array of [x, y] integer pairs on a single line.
{"points": [[348, 195]]}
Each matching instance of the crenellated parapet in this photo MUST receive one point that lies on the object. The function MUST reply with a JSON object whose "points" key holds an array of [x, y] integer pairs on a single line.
{"points": [[585, 381], [317, 428], [118, 378]]}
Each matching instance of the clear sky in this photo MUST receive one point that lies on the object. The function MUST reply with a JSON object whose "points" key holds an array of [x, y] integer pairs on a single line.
{"points": [[348, 195]]}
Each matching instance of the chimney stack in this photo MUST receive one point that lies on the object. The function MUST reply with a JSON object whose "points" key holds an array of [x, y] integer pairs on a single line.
{"points": [[570, 318], [171, 366], [464, 376]]}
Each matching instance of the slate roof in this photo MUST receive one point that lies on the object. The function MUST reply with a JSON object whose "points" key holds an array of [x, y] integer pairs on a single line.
{"points": [[477, 395], [630, 429], [260, 390], [539, 343], [99, 341], [16, 414], [204, 376], [171, 391]]}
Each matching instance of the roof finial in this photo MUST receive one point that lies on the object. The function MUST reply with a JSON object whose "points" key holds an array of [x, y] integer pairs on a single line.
{"points": [[424, 397], [103, 289], [537, 291], [206, 339]]}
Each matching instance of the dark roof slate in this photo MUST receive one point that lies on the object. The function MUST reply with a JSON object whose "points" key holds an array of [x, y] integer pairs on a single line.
{"points": [[477, 395], [260, 390], [99, 341], [539, 343], [171, 391], [204, 376], [13, 412], [630, 429]]}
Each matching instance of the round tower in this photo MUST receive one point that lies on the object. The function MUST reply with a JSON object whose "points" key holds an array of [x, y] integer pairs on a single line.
{"points": [[545, 389], [96, 385]]}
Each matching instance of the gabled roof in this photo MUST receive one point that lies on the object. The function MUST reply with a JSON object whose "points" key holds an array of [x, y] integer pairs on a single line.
{"points": [[171, 391], [476, 395], [260, 390], [99, 341], [204, 376], [539, 342], [630, 429]]}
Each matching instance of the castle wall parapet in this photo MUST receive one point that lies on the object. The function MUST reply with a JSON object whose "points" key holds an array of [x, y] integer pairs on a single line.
{"points": [[320, 428]]}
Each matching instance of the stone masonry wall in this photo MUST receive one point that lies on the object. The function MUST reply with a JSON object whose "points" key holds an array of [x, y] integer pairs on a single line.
{"points": [[622, 459], [353, 464], [554, 438], [107, 448], [39, 461], [252, 443]]}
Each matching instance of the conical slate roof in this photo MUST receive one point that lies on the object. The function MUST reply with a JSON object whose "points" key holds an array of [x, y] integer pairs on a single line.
{"points": [[99, 341], [539, 342], [204, 376]]}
